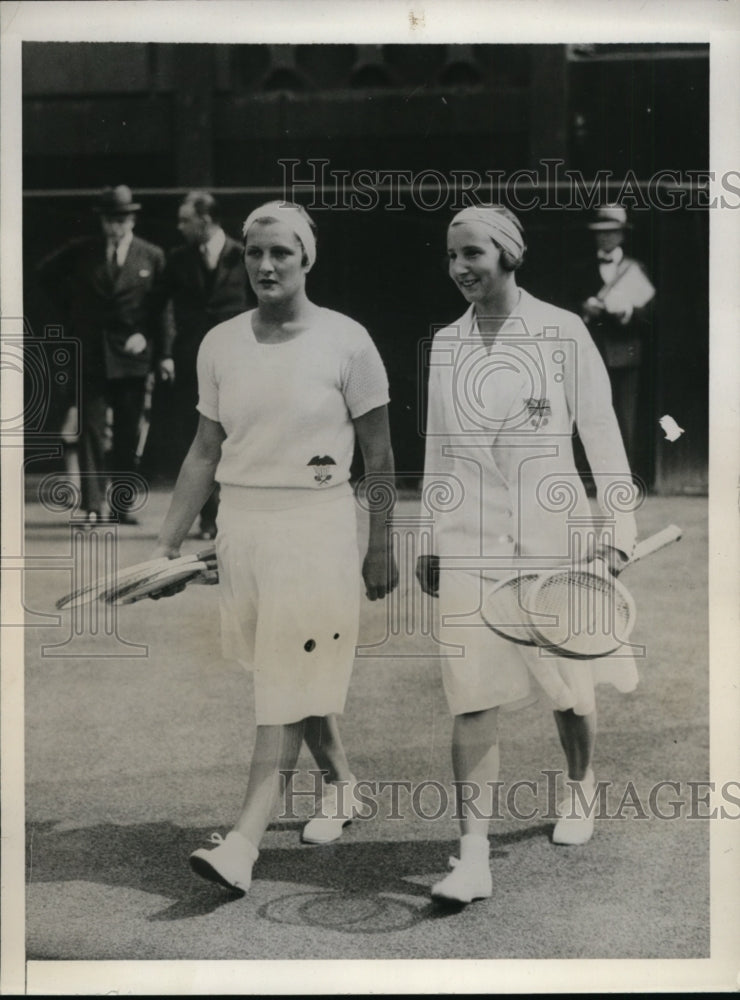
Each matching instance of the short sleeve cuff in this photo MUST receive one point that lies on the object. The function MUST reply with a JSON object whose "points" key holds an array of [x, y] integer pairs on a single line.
{"points": [[207, 411], [369, 404]]}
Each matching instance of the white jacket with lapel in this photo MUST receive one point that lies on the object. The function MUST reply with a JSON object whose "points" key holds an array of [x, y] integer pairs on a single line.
{"points": [[499, 441]]}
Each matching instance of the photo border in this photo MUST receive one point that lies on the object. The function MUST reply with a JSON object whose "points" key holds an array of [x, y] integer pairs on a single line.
{"points": [[313, 21]]}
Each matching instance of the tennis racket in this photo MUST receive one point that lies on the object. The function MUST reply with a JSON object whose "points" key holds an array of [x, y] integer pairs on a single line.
{"points": [[582, 613], [109, 587], [96, 589], [178, 571], [506, 609]]}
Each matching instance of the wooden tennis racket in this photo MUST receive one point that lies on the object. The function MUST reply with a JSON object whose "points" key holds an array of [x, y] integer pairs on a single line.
{"points": [[184, 570], [582, 612], [125, 582]]}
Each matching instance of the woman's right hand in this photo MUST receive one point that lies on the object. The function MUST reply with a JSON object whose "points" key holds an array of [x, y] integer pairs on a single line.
{"points": [[170, 552], [427, 573]]}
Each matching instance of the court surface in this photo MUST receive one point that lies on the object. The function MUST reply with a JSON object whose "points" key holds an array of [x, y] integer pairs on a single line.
{"points": [[137, 746]]}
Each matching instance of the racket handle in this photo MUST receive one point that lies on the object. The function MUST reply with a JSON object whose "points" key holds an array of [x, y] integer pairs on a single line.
{"points": [[655, 542]]}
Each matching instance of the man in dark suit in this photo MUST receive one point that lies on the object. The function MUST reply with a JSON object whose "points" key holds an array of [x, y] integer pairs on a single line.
{"points": [[207, 284], [109, 288], [618, 313]]}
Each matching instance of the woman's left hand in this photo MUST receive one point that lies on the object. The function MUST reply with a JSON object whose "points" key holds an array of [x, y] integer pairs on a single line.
{"points": [[614, 559], [380, 573]]}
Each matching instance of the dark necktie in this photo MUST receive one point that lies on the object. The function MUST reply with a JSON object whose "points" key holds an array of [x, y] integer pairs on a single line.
{"points": [[113, 265]]}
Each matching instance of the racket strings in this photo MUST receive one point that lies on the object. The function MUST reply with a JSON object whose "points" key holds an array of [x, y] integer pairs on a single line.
{"points": [[587, 614], [573, 613], [508, 611]]}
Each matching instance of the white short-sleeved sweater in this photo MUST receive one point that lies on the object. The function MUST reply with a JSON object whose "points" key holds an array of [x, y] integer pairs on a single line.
{"points": [[287, 408]]}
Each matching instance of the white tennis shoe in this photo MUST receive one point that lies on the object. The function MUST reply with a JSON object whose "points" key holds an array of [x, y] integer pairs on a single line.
{"points": [[470, 877], [229, 863], [335, 812], [466, 882], [576, 823]]}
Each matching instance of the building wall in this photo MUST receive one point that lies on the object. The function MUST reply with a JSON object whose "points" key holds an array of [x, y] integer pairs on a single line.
{"points": [[163, 118]]}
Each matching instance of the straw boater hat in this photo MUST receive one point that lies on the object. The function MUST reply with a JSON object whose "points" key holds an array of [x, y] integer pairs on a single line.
{"points": [[116, 201], [609, 217]]}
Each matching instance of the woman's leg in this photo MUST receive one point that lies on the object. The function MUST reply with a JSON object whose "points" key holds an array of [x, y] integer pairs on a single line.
{"points": [[475, 763], [577, 736], [230, 862], [323, 739], [325, 743], [276, 749]]}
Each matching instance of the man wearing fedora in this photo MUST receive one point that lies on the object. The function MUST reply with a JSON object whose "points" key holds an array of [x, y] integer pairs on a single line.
{"points": [[109, 288], [618, 313]]}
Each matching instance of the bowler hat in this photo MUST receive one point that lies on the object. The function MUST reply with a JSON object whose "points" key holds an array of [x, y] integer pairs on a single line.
{"points": [[116, 201], [610, 217]]}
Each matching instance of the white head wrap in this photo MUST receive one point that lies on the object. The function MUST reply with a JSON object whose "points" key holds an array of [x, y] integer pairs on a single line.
{"points": [[502, 229], [290, 217]]}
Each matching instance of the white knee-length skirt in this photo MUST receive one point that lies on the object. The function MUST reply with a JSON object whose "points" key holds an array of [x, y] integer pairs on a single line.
{"points": [[290, 597], [481, 670]]}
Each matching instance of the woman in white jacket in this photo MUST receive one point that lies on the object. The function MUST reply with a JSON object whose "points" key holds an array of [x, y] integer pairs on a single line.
{"points": [[508, 381]]}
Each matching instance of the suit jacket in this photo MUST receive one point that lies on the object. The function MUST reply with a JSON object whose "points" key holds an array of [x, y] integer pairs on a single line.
{"points": [[622, 345], [102, 311], [499, 477], [199, 300]]}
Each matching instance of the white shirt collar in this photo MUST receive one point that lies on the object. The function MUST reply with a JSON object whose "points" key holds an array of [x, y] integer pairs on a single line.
{"points": [[513, 325], [616, 257], [212, 248], [123, 247]]}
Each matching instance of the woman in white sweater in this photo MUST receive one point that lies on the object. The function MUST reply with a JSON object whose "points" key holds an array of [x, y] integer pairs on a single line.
{"points": [[284, 392]]}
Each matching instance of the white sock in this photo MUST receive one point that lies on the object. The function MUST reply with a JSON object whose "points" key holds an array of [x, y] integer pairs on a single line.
{"points": [[247, 845], [587, 779], [474, 847]]}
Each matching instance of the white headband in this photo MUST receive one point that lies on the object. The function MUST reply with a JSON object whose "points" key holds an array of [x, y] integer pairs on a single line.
{"points": [[292, 218], [503, 229]]}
